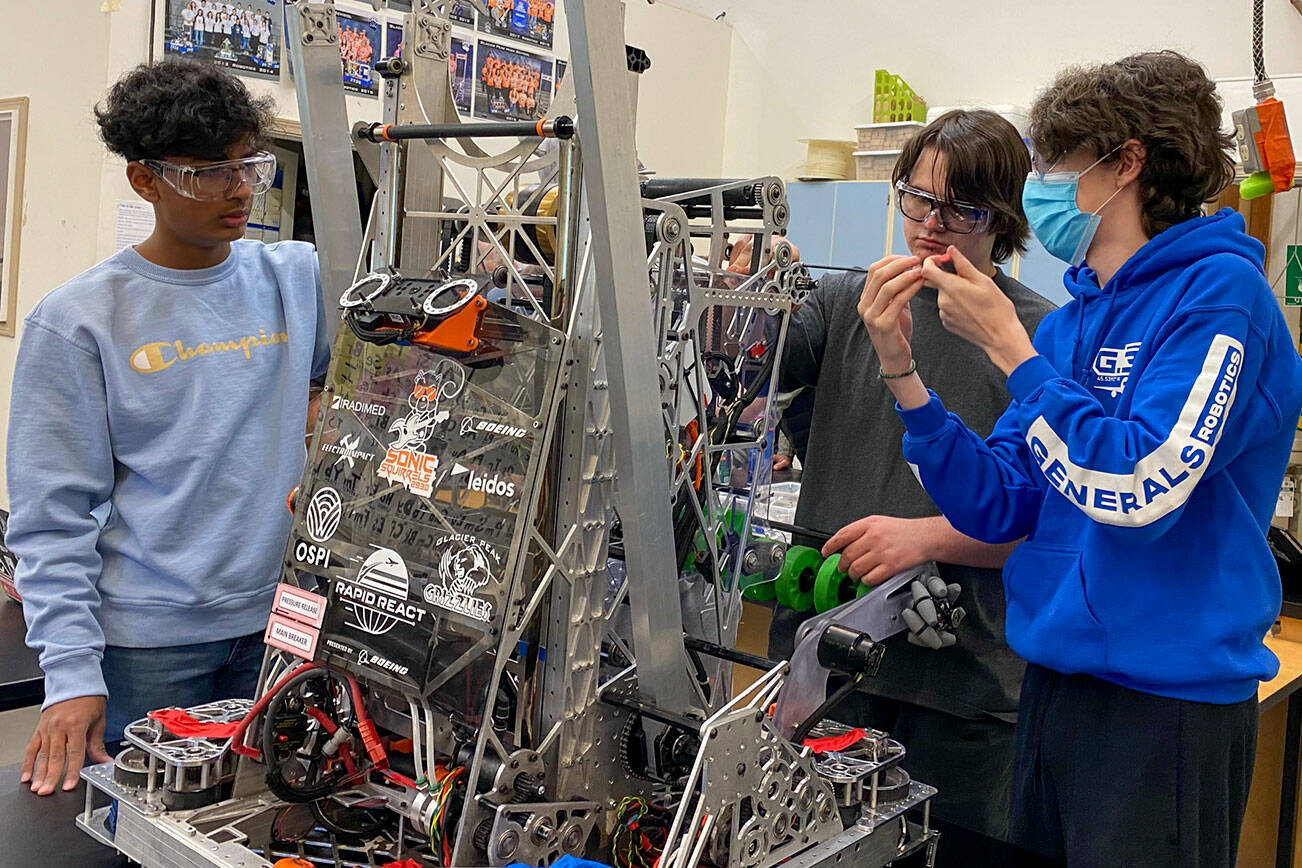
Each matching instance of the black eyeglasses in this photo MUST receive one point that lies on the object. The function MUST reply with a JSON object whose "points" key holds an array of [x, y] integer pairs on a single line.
{"points": [[957, 217]]}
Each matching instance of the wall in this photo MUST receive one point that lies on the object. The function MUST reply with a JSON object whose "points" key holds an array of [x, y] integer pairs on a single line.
{"points": [[60, 212], [73, 185], [798, 73]]}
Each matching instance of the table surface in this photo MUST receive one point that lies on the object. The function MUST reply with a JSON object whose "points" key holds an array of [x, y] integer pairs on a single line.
{"points": [[1289, 678], [34, 828]]}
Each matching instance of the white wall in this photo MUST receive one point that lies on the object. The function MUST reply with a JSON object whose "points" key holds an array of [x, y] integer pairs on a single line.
{"points": [[806, 70], [62, 181], [73, 185]]}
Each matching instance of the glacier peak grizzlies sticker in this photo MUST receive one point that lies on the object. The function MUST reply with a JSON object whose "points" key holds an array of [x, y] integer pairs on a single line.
{"points": [[465, 567]]}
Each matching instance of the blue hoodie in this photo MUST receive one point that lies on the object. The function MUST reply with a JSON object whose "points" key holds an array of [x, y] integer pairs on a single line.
{"points": [[1141, 458], [156, 426]]}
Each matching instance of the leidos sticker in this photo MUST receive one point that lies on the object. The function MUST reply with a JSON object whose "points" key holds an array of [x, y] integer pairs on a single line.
{"points": [[488, 484]]}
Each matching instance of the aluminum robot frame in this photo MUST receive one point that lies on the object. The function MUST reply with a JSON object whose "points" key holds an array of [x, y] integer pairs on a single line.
{"points": [[520, 622]]}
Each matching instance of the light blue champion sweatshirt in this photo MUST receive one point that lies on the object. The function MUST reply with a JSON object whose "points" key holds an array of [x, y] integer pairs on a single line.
{"points": [[156, 426]]}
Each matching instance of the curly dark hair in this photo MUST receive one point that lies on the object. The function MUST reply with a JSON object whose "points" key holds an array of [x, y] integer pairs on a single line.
{"points": [[986, 163], [1160, 98], [180, 108]]}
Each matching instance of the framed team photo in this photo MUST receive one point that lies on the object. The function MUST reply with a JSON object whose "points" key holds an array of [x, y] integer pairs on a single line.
{"points": [[531, 21], [244, 37], [511, 84]]}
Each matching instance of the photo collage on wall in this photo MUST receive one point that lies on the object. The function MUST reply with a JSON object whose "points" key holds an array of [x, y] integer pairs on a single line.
{"points": [[511, 76]]}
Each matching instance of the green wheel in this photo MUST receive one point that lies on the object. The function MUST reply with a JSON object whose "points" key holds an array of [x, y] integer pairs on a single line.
{"points": [[832, 587], [863, 589], [795, 584], [760, 592]]}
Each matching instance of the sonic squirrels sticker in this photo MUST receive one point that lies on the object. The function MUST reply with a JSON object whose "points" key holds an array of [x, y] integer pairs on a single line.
{"points": [[405, 461]]}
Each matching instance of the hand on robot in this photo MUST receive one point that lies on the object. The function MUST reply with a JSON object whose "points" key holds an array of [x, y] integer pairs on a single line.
{"points": [[67, 731], [880, 546], [933, 615], [743, 249]]}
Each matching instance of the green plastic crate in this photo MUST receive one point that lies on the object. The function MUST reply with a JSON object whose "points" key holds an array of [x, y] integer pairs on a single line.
{"points": [[895, 101]]}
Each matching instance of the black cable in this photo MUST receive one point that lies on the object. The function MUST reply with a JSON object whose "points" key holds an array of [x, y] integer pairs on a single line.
{"points": [[798, 737], [276, 782], [1258, 28]]}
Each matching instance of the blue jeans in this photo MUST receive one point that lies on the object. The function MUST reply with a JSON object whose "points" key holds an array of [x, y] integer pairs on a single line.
{"points": [[141, 680]]}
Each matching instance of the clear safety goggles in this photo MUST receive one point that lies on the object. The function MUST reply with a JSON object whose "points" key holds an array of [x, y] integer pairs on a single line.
{"points": [[957, 217], [213, 182], [1043, 171]]}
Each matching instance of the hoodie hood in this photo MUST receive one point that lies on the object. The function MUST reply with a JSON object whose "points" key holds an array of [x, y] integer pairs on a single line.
{"points": [[1177, 247]]}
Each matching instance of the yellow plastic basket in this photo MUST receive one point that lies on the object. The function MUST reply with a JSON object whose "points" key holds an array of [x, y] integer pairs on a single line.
{"points": [[894, 101]]}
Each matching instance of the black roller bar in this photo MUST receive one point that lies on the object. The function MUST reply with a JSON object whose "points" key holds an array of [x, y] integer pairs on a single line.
{"points": [[558, 128]]}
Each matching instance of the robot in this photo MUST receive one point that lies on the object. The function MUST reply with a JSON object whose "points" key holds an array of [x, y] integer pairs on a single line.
{"points": [[507, 614]]}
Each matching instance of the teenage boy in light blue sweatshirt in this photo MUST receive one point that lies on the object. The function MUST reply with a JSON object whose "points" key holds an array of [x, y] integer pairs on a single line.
{"points": [[158, 412], [1141, 459]]}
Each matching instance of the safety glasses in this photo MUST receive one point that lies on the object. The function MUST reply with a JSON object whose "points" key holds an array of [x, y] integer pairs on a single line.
{"points": [[957, 217], [216, 181]]}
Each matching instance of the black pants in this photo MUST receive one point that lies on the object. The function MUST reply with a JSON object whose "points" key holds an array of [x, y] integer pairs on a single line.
{"points": [[970, 762], [1111, 777]]}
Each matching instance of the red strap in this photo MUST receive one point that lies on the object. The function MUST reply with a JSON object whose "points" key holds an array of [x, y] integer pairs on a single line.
{"points": [[834, 742], [179, 722]]}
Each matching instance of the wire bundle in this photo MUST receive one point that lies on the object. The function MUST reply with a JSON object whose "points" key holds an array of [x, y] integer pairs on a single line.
{"points": [[443, 784], [641, 831]]}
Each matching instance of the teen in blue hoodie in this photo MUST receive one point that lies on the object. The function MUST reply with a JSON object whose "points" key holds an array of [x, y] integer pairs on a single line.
{"points": [[157, 421], [1141, 459]]}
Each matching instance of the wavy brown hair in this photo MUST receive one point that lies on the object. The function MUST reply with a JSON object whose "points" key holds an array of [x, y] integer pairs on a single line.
{"points": [[1165, 101], [986, 164]]}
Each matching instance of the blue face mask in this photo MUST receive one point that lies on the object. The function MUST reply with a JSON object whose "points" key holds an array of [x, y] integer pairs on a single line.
{"points": [[1049, 200]]}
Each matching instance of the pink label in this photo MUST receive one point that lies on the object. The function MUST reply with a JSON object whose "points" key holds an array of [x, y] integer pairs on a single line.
{"points": [[287, 635], [303, 606]]}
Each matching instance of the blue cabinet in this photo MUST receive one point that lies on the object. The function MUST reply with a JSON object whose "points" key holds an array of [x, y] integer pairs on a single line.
{"points": [[853, 223]]}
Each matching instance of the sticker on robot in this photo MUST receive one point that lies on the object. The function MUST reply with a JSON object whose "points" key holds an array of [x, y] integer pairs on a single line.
{"points": [[465, 567], [474, 428], [492, 484], [377, 599], [349, 405], [324, 511], [376, 661], [303, 606], [348, 449], [288, 635], [244, 37], [405, 461]]}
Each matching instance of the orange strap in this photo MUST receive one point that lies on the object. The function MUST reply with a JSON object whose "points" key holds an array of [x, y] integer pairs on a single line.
{"points": [[541, 121]]}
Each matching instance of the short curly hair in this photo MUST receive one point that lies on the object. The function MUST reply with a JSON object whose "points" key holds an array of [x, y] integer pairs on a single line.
{"points": [[180, 108], [1160, 98], [986, 164]]}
